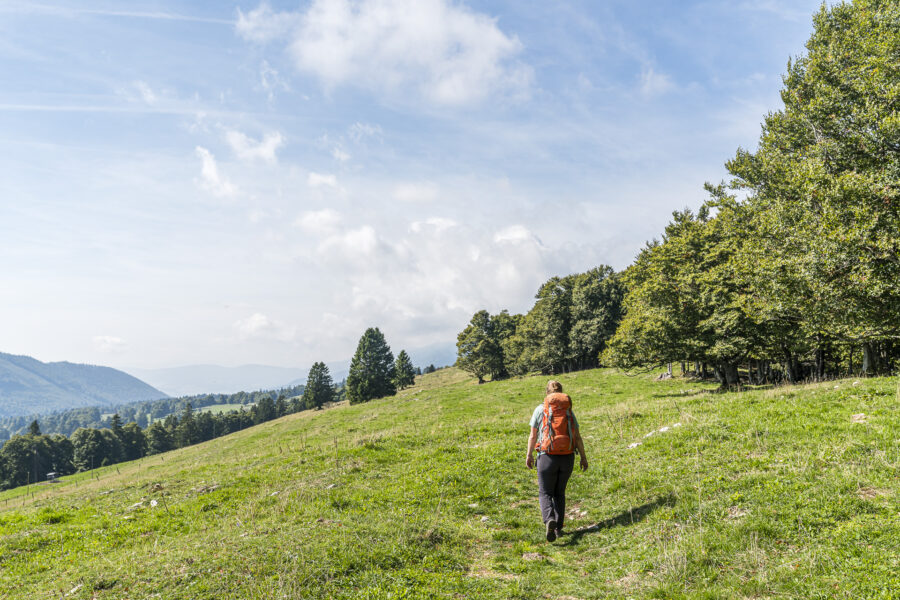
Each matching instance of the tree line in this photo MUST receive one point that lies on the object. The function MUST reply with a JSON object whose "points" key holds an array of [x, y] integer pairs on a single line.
{"points": [[142, 412], [789, 271], [565, 330], [28, 457]]}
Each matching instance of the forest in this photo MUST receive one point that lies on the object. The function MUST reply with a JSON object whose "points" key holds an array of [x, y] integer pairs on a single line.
{"points": [[789, 271]]}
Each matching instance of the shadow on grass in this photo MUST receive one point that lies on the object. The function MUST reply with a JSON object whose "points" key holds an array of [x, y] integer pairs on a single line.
{"points": [[623, 519]]}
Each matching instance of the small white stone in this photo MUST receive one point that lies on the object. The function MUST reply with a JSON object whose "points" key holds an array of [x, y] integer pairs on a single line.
{"points": [[663, 429], [153, 503], [634, 445], [484, 519]]}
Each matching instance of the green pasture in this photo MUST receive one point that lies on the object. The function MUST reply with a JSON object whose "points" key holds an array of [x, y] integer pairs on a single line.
{"points": [[789, 492]]}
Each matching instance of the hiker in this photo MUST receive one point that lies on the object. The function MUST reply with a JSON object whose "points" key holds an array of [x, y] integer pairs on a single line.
{"points": [[555, 436]]}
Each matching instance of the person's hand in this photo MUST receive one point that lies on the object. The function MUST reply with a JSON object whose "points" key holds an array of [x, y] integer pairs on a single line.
{"points": [[584, 464], [529, 461]]}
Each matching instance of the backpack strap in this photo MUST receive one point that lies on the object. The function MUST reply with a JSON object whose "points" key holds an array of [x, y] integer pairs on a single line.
{"points": [[550, 424], [569, 423]]}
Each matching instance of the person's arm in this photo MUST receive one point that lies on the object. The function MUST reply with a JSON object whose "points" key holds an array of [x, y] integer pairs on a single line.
{"points": [[529, 451], [579, 443], [579, 446]]}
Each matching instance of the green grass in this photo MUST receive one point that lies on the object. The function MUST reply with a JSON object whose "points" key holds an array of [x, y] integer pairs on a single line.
{"points": [[761, 494]]}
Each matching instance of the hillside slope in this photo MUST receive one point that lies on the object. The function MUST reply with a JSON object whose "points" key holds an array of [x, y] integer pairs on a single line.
{"points": [[785, 492], [29, 386]]}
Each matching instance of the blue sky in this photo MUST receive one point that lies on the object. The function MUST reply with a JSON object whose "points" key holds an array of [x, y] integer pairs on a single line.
{"points": [[205, 182]]}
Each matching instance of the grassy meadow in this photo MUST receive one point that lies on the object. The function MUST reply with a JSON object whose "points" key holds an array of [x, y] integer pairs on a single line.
{"points": [[788, 492]]}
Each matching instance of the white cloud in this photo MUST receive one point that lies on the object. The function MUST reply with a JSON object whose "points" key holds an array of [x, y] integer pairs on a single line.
{"points": [[259, 326], [315, 180], [436, 224], [653, 83], [108, 343], [271, 80], [319, 221], [210, 178], [339, 154], [146, 92], [513, 235], [262, 24], [444, 52], [350, 246], [360, 131], [415, 192], [246, 148]]}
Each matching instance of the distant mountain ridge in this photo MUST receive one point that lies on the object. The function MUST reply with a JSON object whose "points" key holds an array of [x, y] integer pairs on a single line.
{"points": [[29, 386], [213, 379]]}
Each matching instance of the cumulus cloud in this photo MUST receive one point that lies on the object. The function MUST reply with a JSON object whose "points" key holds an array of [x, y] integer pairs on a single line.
{"points": [[513, 234], [415, 192], [210, 179], [259, 326], [246, 148], [108, 343], [315, 180], [350, 246], [435, 224], [445, 52], [319, 221]]}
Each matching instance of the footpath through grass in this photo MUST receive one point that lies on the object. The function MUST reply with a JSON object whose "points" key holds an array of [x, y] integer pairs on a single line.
{"points": [[786, 493]]}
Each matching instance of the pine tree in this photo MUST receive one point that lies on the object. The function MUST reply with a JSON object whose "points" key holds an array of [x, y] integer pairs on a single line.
{"points": [[34, 428], [319, 388], [186, 432], [404, 373], [265, 410], [115, 423], [372, 369]]}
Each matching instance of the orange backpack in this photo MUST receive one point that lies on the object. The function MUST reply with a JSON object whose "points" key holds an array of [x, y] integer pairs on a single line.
{"points": [[556, 428]]}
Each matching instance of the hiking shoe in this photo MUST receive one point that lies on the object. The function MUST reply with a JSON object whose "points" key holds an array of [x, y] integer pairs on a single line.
{"points": [[551, 531], [559, 533]]}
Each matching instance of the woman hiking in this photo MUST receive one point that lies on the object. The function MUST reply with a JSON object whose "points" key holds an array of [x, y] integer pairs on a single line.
{"points": [[555, 436]]}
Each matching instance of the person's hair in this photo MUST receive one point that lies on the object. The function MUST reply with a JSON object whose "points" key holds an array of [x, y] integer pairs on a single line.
{"points": [[554, 387]]}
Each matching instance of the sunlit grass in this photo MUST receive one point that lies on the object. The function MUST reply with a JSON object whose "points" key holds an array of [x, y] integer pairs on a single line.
{"points": [[768, 493]]}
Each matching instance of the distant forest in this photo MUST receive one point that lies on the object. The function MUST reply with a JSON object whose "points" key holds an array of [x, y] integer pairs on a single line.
{"points": [[142, 413], [790, 271]]}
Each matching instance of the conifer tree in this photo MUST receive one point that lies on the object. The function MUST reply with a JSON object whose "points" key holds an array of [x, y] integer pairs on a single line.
{"points": [[319, 388], [372, 369], [404, 373]]}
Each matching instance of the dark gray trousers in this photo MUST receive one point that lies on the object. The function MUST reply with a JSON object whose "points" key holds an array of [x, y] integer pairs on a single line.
{"points": [[553, 474]]}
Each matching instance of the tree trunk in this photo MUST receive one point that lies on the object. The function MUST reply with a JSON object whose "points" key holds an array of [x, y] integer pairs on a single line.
{"points": [[731, 375], [789, 373], [820, 364], [669, 369], [703, 371], [870, 360], [682, 369]]}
